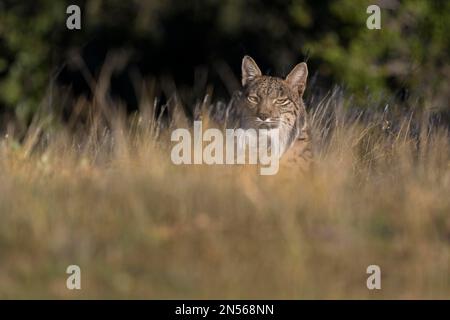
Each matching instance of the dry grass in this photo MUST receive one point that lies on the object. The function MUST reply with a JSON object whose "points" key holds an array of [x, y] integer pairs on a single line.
{"points": [[105, 196]]}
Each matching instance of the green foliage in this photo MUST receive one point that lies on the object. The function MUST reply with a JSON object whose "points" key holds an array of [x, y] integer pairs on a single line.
{"points": [[26, 31], [410, 52]]}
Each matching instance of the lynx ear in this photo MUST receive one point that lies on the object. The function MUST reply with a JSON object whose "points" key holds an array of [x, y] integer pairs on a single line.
{"points": [[296, 79], [250, 70]]}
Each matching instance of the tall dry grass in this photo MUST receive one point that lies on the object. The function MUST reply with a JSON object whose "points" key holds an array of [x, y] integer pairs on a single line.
{"points": [[101, 192]]}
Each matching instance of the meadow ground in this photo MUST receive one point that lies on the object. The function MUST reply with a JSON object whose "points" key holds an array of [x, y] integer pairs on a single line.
{"points": [[108, 198]]}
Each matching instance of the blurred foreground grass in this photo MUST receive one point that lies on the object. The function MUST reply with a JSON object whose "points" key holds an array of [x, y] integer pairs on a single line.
{"points": [[140, 227]]}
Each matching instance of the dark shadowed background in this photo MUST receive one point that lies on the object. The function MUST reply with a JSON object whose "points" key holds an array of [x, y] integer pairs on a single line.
{"points": [[184, 46]]}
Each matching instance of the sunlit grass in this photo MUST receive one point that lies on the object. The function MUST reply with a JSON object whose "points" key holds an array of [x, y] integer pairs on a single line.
{"points": [[106, 197]]}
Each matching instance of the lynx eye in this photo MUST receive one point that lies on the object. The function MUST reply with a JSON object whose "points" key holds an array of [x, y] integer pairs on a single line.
{"points": [[282, 101], [253, 99]]}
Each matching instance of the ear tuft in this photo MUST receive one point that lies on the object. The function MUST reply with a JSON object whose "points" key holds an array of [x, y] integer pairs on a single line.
{"points": [[250, 70], [296, 79]]}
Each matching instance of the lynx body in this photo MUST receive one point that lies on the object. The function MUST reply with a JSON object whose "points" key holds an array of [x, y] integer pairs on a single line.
{"points": [[267, 102]]}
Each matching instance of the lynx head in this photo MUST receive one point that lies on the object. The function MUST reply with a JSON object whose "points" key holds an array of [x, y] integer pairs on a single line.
{"points": [[272, 102]]}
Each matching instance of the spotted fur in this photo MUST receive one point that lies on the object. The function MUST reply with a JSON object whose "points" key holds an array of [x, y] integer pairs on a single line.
{"points": [[272, 102]]}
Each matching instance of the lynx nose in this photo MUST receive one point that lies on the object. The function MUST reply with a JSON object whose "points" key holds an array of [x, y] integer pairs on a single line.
{"points": [[263, 117]]}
